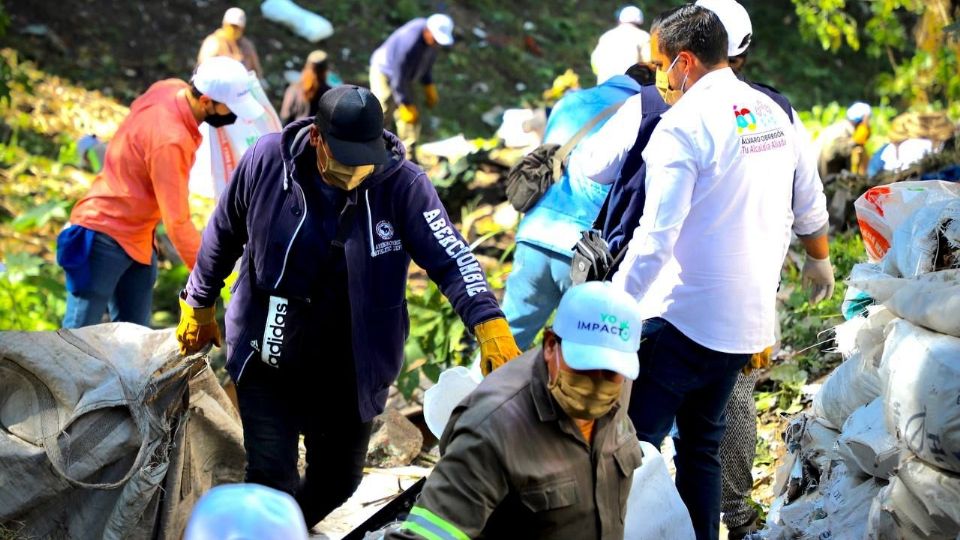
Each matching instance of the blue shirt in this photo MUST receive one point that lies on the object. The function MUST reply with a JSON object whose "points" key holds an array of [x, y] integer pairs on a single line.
{"points": [[573, 202]]}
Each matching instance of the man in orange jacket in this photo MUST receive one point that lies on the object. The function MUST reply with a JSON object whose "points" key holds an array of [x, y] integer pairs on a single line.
{"points": [[107, 252]]}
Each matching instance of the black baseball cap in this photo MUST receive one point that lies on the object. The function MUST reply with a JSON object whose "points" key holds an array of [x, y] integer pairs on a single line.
{"points": [[351, 121]]}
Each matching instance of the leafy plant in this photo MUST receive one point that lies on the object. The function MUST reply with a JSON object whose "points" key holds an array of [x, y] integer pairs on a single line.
{"points": [[804, 327], [31, 294], [436, 339], [787, 393], [918, 38], [38, 216]]}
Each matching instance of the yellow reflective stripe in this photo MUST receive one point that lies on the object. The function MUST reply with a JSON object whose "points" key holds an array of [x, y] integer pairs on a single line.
{"points": [[439, 522], [416, 528]]}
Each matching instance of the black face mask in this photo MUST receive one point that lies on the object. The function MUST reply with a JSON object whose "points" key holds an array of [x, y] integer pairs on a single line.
{"points": [[220, 120]]}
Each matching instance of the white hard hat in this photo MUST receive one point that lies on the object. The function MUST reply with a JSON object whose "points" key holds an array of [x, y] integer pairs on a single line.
{"points": [[441, 26], [735, 20], [631, 15], [235, 16]]}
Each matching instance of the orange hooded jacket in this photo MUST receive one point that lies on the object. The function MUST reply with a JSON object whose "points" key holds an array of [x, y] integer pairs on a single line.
{"points": [[145, 176]]}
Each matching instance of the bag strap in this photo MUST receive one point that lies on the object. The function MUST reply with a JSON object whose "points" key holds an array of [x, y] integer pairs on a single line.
{"points": [[560, 158], [615, 264]]}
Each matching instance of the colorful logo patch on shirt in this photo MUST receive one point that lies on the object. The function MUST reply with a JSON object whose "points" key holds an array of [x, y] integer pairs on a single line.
{"points": [[745, 119], [758, 129]]}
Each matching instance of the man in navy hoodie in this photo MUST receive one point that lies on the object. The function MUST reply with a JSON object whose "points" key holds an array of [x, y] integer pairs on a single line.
{"points": [[404, 59], [325, 218]]}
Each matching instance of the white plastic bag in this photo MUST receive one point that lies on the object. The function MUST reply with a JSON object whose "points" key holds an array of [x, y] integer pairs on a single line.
{"points": [[856, 300], [916, 247], [884, 208], [804, 515], [847, 388], [865, 445], [654, 507], [930, 300], [222, 148], [514, 130], [304, 23], [857, 381], [440, 399], [921, 502], [847, 504], [922, 395]]}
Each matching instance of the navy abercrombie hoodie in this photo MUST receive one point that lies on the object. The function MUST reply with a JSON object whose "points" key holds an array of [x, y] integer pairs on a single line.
{"points": [[265, 218]]}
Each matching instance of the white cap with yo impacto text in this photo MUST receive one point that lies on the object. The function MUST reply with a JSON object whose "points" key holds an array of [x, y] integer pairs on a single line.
{"points": [[441, 27], [226, 81], [735, 20], [599, 328]]}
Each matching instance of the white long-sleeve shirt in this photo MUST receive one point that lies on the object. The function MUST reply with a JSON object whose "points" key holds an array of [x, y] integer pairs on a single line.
{"points": [[603, 154], [726, 181]]}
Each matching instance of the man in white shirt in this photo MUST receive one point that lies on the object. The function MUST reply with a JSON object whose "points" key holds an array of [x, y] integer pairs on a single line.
{"points": [[704, 261], [622, 46]]}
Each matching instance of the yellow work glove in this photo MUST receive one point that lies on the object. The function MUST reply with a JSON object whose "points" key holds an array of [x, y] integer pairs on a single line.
{"points": [[430, 95], [408, 113], [861, 134], [497, 346], [759, 360], [198, 326]]}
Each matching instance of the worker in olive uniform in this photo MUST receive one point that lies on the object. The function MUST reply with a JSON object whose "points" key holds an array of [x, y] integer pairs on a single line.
{"points": [[542, 448]]}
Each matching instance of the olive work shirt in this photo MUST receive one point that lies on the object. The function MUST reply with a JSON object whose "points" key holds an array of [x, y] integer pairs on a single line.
{"points": [[514, 465]]}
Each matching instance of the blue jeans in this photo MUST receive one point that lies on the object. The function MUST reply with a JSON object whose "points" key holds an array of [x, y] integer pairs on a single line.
{"points": [[538, 280], [118, 284], [680, 379]]}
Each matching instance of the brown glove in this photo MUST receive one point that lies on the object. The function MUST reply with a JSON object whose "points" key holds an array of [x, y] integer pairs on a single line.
{"points": [[497, 346]]}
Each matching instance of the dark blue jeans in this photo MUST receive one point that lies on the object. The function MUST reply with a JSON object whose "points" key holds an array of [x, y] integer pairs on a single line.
{"points": [[680, 379], [317, 398], [118, 284]]}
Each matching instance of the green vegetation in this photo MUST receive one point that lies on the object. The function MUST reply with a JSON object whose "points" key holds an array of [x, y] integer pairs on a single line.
{"points": [[436, 339]]}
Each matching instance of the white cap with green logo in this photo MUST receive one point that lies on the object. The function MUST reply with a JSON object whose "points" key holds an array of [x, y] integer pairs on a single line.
{"points": [[599, 328]]}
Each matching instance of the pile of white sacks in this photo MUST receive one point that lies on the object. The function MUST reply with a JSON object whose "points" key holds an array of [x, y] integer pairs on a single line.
{"points": [[879, 456]]}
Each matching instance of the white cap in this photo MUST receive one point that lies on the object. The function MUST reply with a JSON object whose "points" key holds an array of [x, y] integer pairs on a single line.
{"points": [[246, 511], [235, 16], [225, 80], [599, 328], [735, 20], [441, 26], [631, 15], [858, 111]]}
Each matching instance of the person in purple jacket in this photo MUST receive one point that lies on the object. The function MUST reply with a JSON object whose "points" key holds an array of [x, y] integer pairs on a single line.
{"points": [[407, 57], [325, 218]]}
